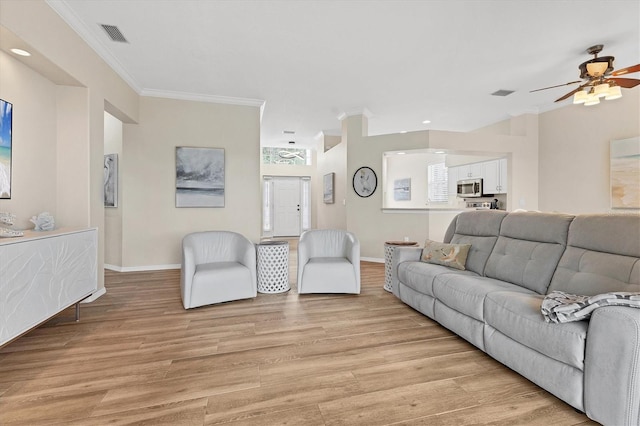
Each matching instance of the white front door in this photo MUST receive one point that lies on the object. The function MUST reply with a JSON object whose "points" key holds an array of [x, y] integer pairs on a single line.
{"points": [[286, 206]]}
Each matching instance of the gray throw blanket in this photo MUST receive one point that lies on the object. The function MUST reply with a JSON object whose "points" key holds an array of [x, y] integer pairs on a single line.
{"points": [[559, 306]]}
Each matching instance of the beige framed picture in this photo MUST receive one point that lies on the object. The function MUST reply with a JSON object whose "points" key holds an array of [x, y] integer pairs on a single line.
{"points": [[625, 173]]}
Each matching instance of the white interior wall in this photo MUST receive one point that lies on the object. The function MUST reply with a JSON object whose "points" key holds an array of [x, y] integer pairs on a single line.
{"points": [[113, 215]]}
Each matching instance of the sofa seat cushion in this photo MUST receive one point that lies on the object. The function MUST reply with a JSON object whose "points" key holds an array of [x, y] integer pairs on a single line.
{"points": [[466, 294], [419, 276], [517, 315]]}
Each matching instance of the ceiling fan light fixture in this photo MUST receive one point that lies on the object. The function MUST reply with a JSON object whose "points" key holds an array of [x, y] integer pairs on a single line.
{"points": [[596, 69], [580, 97], [593, 100], [601, 90], [614, 92]]}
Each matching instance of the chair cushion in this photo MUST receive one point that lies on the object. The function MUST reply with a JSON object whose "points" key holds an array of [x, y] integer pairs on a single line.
{"points": [[328, 275], [466, 294], [517, 315], [220, 282]]}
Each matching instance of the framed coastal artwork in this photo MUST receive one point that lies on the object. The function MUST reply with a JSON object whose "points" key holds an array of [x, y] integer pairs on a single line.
{"points": [[199, 177], [327, 185], [6, 119], [402, 189], [625, 173], [111, 180]]}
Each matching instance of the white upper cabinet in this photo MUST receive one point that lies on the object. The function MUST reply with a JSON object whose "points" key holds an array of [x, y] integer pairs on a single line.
{"points": [[494, 175], [470, 171]]}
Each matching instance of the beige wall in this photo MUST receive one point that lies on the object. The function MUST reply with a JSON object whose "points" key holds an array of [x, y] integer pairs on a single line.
{"points": [[153, 227], [77, 133], [332, 216], [34, 169], [113, 215], [574, 152]]}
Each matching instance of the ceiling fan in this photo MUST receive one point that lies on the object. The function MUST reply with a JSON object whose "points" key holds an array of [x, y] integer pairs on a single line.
{"points": [[598, 79]]}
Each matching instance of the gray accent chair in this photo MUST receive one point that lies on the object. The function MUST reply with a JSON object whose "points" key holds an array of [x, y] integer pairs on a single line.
{"points": [[514, 261], [328, 262], [217, 266]]}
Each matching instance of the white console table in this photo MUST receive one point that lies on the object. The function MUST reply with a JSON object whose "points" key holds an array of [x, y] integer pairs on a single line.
{"points": [[43, 273]]}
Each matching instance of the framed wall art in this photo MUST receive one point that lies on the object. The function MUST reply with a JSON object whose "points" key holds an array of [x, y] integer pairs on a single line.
{"points": [[624, 173], [327, 188], [402, 189], [111, 180], [365, 182], [6, 121], [200, 177]]}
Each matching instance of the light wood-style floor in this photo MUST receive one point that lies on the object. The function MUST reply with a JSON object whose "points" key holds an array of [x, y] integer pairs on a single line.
{"points": [[137, 357]]}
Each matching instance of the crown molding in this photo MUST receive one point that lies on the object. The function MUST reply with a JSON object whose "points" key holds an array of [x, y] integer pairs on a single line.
{"points": [[199, 97], [355, 111], [61, 7]]}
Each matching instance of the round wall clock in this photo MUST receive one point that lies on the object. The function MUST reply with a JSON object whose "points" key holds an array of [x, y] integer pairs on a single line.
{"points": [[365, 182]]}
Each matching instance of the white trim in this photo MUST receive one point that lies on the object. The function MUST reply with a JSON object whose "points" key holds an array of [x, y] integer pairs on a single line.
{"points": [[95, 295], [199, 97], [355, 111], [372, 259], [142, 268]]}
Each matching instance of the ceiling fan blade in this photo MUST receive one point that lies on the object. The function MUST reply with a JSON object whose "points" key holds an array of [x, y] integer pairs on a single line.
{"points": [[559, 85], [627, 83], [627, 70], [572, 92]]}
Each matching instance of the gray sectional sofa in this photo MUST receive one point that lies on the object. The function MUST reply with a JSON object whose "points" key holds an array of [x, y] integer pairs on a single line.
{"points": [[515, 259]]}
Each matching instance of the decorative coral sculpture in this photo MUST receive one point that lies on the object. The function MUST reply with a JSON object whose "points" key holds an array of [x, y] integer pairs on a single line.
{"points": [[44, 222]]}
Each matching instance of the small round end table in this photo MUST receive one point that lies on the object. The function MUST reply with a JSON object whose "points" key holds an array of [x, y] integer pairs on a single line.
{"points": [[389, 248], [273, 267]]}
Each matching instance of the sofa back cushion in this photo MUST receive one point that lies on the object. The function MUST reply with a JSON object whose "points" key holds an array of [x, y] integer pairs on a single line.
{"points": [[480, 228], [603, 255], [528, 249]]}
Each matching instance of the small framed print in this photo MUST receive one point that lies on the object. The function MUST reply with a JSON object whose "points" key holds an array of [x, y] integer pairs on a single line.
{"points": [[365, 182]]}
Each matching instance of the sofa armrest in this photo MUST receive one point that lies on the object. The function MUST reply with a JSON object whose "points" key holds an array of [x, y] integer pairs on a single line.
{"points": [[187, 271], [402, 254], [612, 366]]}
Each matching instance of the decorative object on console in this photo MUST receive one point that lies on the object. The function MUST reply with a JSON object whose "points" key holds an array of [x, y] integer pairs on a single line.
{"points": [[199, 177], [402, 189], [7, 218], [10, 233], [6, 115], [601, 80], [625, 173], [452, 255], [327, 188], [365, 182], [44, 222], [111, 180]]}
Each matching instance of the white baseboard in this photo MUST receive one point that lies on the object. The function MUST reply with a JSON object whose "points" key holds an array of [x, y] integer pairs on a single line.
{"points": [[372, 259], [141, 268], [95, 295]]}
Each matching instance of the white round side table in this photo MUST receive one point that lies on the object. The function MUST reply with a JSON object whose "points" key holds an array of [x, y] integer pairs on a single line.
{"points": [[273, 267], [389, 248]]}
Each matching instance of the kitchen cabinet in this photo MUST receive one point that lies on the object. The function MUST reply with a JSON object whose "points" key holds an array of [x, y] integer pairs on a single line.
{"points": [[494, 176], [470, 171], [452, 180]]}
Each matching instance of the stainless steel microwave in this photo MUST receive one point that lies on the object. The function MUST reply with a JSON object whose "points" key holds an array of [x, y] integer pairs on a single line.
{"points": [[469, 188]]}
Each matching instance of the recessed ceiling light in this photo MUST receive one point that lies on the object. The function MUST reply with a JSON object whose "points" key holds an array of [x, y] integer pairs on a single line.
{"points": [[21, 52], [401, 153], [440, 152], [426, 122], [403, 131]]}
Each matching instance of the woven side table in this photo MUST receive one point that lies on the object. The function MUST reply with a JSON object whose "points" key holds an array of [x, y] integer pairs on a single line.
{"points": [[389, 248], [273, 267]]}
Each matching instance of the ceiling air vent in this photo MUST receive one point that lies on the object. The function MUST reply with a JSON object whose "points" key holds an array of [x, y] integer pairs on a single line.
{"points": [[114, 33], [502, 92]]}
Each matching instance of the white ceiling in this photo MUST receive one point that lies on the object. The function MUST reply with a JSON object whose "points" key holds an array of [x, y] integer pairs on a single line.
{"points": [[404, 61]]}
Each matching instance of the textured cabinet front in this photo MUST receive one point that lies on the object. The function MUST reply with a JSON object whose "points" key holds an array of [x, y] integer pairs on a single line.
{"points": [[43, 275]]}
